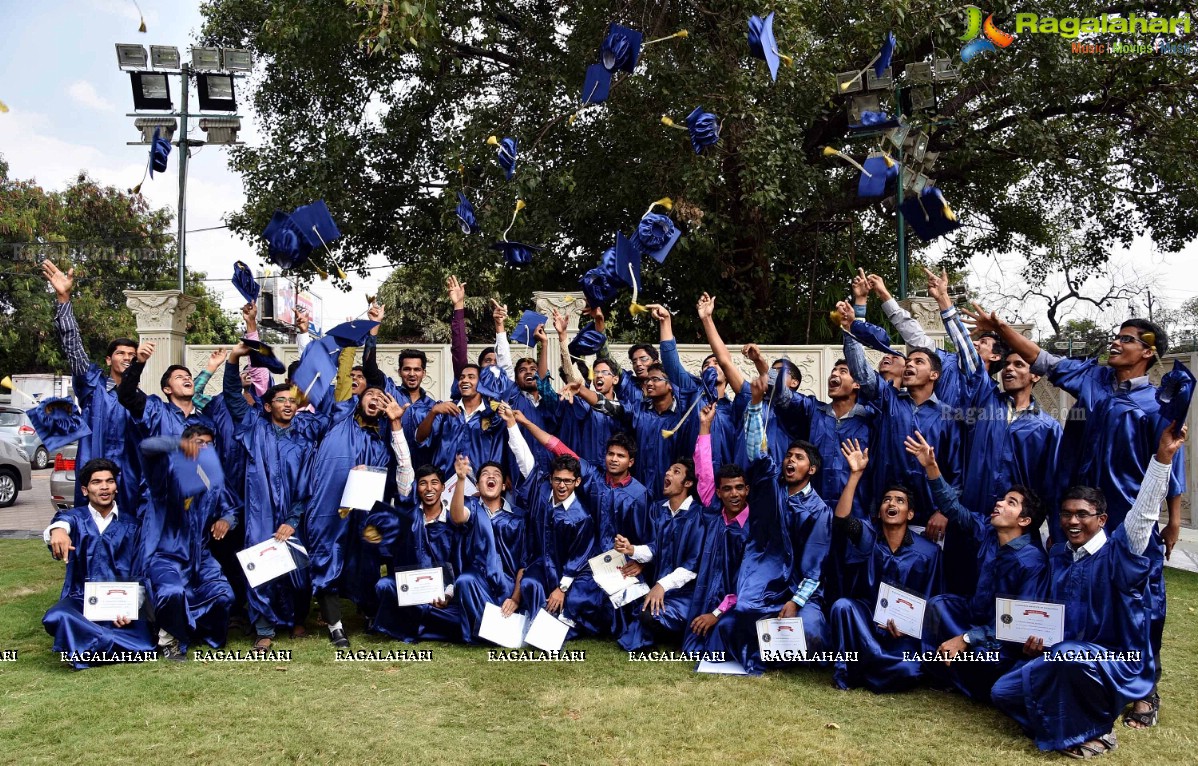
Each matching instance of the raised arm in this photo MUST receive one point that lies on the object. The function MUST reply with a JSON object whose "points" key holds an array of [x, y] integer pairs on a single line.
{"points": [[64, 318], [128, 393], [754, 426], [857, 460], [457, 325], [723, 357], [569, 371], [516, 442], [503, 349], [947, 501], [1147, 508], [405, 473], [704, 469], [231, 388], [989, 321], [259, 375], [908, 327], [458, 513], [854, 356]]}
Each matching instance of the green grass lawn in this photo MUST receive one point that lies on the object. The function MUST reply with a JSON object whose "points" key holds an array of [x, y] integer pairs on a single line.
{"points": [[462, 709]]}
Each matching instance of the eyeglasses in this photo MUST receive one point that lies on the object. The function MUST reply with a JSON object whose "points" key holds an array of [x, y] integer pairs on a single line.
{"points": [[655, 379], [562, 482], [1079, 515], [283, 400], [605, 374], [1132, 339]]}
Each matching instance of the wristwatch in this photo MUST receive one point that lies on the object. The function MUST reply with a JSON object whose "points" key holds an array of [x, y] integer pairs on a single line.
{"points": [[965, 638], [716, 613]]}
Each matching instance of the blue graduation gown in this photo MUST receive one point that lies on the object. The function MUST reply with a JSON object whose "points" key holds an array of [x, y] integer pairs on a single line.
{"points": [[1018, 569], [719, 570], [655, 454], [789, 540], [1069, 701], [110, 438], [114, 556], [915, 568], [819, 425], [585, 429], [482, 437], [508, 527], [782, 423], [190, 593], [677, 542]]}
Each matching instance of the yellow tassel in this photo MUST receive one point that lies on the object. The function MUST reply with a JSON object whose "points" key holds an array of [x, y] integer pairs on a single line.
{"points": [[324, 275], [3, 108], [341, 273], [787, 60], [519, 205], [667, 121], [492, 141], [636, 308], [665, 202]]}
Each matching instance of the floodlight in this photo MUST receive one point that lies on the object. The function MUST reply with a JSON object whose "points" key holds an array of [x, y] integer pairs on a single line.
{"points": [[151, 90], [873, 82], [945, 71], [236, 59], [131, 56], [848, 82], [221, 130], [216, 92], [918, 71], [205, 58], [164, 57]]}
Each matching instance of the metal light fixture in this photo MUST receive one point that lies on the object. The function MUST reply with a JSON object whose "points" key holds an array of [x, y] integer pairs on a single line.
{"points": [[918, 72], [236, 59], [216, 92], [873, 82], [131, 56], [164, 57], [848, 82], [147, 125], [205, 58], [221, 130], [944, 71], [151, 90]]}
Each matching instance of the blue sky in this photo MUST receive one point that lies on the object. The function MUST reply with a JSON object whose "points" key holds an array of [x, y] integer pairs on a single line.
{"points": [[68, 101]]}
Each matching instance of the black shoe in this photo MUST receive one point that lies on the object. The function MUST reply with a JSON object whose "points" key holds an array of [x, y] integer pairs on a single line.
{"points": [[339, 638], [172, 652]]}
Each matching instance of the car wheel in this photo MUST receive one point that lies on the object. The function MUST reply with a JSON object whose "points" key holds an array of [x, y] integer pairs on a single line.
{"points": [[8, 489], [41, 458]]}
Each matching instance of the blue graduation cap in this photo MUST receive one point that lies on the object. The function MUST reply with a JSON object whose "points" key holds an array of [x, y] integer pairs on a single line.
{"points": [[263, 355], [516, 253], [875, 121], [160, 150], [655, 235], [58, 422], [198, 476], [588, 341], [243, 280], [491, 383], [877, 172], [762, 44], [882, 62], [704, 128], [601, 284], [621, 49], [1175, 392], [597, 85], [465, 212], [316, 222], [872, 336], [929, 214], [317, 370], [528, 324], [291, 238], [710, 378], [628, 262], [352, 333], [507, 154]]}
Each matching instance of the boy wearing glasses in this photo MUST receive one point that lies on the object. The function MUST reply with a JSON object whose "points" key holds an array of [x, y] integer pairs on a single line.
{"points": [[1068, 696]]}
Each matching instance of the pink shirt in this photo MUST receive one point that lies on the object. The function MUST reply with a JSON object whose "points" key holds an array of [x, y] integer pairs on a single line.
{"points": [[706, 481]]}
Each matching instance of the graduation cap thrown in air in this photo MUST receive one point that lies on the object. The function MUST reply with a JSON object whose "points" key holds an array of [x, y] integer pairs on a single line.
{"points": [[596, 87], [516, 253], [291, 238], [628, 262], [317, 370], [872, 336], [762, 44], [198, 476], [877, 171], [243, 280], [58, 422], [601, 284], [528, 324], [621, 49], [929, 214], [352, 333], [588, 341], [160, 150], [1175, 392], [263, 355], [506, 155], [704, 128], [465, 213], [655, 235]]}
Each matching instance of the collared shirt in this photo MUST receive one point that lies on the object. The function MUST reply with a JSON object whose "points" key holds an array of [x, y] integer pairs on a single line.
{"points": [[1092, 546], [504, 507], [442, 517], [857, 410], [100, 521], [740, 519], [621, 483]]}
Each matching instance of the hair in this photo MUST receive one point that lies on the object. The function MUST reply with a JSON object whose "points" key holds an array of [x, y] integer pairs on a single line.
{"points": [[428, 469], [291, 368], [522, 361], [809, 449], [623, 441], [118, 343], [899, 487], [412, 353], [199, 429], [1089, 495], [358, 368], [483, 354], [565, 463], [656, 367], [728, 471], [689, 465], [94, 466], [840, 363], [493, 464], [274, 391], [1033, 506], [166, 376], [471, 366], [1162, 340], [933, 357], [611, 365], [703, 364], [647, 348], [792, 370]]}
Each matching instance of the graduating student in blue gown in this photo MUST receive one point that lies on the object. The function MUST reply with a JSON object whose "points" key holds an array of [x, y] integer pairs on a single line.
{"points": [[409, 392], [467, 427], [278, 443], [111, 554], [492, 507], [582, 426], [885, 553], [790, 531], [1070, 701], [530, 392], [1012, 564], [191, 596], [111, 437], [1120, 425], [725, 531], [631, 388]]}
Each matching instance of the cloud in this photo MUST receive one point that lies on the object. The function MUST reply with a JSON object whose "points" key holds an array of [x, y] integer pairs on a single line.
{"points": [[84, 93]]}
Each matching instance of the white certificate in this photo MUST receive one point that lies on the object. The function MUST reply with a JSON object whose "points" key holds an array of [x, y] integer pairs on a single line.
{"points": [[725, 668], [606, 569], [420, 586], [507, 632], [915, 529], [106, 601], [547, 632], [906, 609], [364, 486], [633, 592], [777, 634], [1015, 620], [266, 561]]}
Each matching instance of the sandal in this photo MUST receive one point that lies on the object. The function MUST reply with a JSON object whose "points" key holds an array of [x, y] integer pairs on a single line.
{"points": [[1146, 720], [1092, 749], [262, 644]]}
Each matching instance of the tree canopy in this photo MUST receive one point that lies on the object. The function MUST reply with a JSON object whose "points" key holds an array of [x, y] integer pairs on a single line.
{"points": [[115, 242], [383, 108]]}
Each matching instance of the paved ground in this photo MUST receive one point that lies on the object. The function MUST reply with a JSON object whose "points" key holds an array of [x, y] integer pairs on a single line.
{"points": [[33, 510]]}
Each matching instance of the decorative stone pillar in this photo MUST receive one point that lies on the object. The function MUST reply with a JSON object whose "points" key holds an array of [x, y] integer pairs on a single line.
{"points": [[570, 304], [927, 313], [161, 319]]}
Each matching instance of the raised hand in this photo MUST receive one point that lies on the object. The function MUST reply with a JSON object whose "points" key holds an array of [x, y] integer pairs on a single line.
{"points": [[1170, 443], [856, 457], [981, 321], [461, 467], [879, 287], [145, 350], [752, 353], [499, 315], [705, 306], [216, 359], [860, 287], [561, 321], [847, 315], [62, 282], [706, 418], [457, 292], [505, 411], [376, 312], [918, 446], [393, 409], [938, 286], [539, 334]]}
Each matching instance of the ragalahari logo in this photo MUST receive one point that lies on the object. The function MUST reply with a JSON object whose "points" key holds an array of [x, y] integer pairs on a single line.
{"points": [[982, 36]]}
